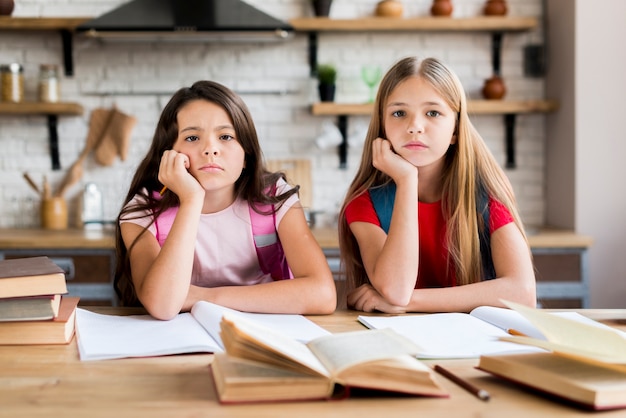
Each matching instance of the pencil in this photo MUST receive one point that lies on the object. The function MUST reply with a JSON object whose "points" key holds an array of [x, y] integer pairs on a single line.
{"points": [[479, 393], [163, 190], [513, 331]]}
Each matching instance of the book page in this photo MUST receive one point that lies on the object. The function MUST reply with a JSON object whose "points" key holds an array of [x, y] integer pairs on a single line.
{"points": [[271, 342], [509, 319], [448, 335], [209, 315], [344, 350], [574, 337], [103, 337]]}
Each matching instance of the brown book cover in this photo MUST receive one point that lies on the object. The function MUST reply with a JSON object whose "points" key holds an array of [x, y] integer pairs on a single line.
{"points": [[261, 365], [586, 385], [31, 277], [29, 308], [59, 330]]}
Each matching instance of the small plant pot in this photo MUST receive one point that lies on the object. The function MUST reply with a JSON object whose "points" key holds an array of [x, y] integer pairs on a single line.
{"points": [[321, 8], [327, 92]]}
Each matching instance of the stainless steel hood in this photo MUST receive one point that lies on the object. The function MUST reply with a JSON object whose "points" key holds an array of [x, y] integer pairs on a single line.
{"points": [[187, 20]]}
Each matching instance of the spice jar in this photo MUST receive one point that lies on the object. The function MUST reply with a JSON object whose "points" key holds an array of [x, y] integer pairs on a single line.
{"points": [[12, 81], [49, 86]]}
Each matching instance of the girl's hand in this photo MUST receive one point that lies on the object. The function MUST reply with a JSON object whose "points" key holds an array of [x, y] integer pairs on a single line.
{"points": [[389, 162], [367, 299], [174, 175]]}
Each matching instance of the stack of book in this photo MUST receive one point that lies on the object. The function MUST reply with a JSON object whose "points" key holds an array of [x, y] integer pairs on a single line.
{"points": [[33, 308], [584, 363]]}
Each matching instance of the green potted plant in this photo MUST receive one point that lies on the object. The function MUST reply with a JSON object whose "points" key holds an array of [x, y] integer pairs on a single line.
{"points": [[327, 77]]}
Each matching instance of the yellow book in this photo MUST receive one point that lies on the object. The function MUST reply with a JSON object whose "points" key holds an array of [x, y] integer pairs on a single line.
{"points": [[263, 365], [592, 342]]}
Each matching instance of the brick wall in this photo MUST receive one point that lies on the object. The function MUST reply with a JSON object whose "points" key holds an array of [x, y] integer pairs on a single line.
{"points": [[274, 81]]}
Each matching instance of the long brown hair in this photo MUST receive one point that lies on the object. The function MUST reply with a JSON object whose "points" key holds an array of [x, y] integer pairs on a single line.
{"points": [[469, 166], [252, 185]]}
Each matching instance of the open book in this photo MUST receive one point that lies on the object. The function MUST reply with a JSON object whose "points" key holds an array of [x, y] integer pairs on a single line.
{"points": [[586, 365], [103, 337], [262, 365], [461, 335], [590, 341]]}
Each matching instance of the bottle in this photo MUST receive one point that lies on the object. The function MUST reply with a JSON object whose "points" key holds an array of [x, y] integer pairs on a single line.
{"points": [[12, 81], [49, 86], [92, 212]]}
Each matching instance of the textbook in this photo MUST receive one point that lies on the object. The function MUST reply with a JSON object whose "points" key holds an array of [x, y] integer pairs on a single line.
{"points": [[264, 365], [460, 335], [29, 308], [588, 341], [583, 384], [31, 277], [102, 337], [59, 330]]}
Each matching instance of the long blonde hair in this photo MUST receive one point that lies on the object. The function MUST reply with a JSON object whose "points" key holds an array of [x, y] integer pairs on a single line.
{"points": [[469, 167]]}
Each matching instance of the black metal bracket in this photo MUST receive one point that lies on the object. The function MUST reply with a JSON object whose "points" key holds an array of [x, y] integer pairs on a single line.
{"points": [[313, 53], [53, 139], [496, 51], [342, 124], [68, 62], [509, 123]]}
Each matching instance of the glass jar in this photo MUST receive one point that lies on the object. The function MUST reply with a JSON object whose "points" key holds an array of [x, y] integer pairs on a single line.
{"points": [[12, 81], [49, 86]]}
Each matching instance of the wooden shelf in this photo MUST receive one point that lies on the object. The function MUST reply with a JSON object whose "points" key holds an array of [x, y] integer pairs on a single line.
{"points": [[430, 24], [476, 107], [38, 108], [64, 25], [40, 23], [508, 108], [52, 111]]}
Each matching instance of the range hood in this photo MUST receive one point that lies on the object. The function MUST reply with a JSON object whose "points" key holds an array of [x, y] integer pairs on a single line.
{"points": [[187, 20]]}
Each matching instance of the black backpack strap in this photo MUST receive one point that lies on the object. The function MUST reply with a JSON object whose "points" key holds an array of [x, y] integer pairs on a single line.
{"points": [[383, 198]]}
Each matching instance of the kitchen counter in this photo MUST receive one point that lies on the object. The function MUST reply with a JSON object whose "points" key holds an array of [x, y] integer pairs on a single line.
{"points": [[88, 256], [28, 238]]}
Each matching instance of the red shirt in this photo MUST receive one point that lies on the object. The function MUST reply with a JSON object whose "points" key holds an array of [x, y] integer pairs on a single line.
{"points": [[433, 266]]}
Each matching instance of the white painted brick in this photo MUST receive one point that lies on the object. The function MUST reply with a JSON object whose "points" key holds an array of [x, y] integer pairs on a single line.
{"points": [[140, 77]]}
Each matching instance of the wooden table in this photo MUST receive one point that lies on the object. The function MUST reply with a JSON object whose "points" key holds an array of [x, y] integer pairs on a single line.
{"points": [[50, 381]]}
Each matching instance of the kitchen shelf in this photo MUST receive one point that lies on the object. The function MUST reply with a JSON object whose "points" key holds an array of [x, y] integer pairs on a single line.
{"points": [[52, 111], [64, 25], [429, 24], [495, 25], [475, 107], [508, 108]]}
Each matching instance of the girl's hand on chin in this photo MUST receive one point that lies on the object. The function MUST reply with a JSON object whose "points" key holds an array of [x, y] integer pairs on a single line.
{"points": [[389, 162], [174, 174]]}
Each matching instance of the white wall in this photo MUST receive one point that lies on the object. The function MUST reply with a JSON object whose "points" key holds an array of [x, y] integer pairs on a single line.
{"points": [[601, 144], [585, 143], [129, 75]]}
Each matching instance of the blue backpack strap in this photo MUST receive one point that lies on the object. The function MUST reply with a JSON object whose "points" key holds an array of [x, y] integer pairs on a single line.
{"points": [[383, 198]]}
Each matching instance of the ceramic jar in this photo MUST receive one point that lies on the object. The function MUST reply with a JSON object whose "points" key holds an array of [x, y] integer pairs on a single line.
{"points": [[389, 8], [6, 7], [441, 8], [495, 8], [494, 88]]}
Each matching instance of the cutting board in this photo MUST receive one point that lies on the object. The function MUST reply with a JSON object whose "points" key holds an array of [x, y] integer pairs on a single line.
{"points": [[298, 172]]}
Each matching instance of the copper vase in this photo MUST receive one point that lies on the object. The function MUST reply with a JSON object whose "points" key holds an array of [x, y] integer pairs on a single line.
{"points": [[494, 88]]}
